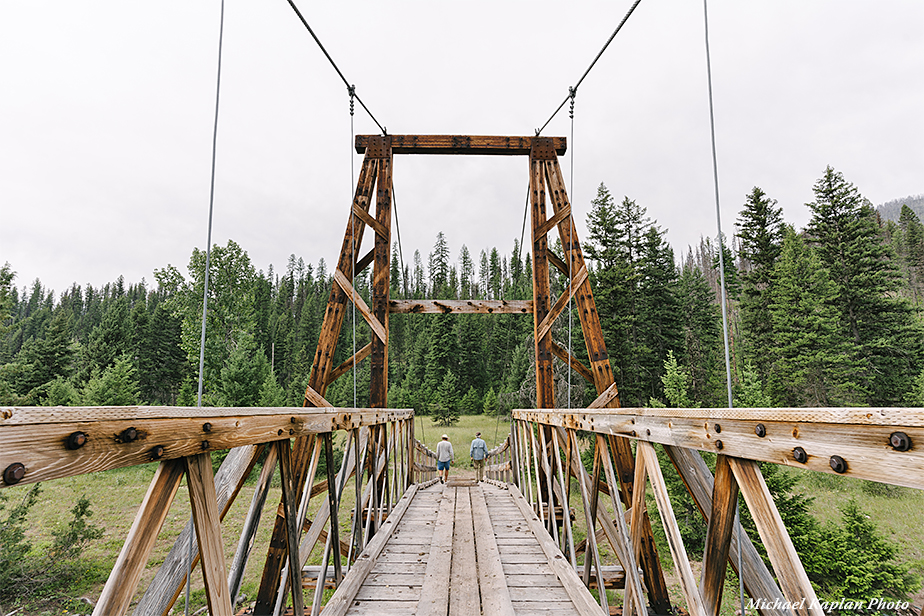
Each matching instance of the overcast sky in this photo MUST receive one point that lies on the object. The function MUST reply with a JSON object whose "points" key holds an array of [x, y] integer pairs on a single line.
{"points": [[106, 111]]}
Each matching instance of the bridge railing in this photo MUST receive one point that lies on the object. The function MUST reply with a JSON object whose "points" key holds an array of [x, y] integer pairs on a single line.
{"points": [[424, 463], [879, 444], [376, 467]]}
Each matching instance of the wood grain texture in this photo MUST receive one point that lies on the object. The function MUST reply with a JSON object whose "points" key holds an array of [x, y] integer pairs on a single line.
{"points": [[671, 530], [41, 446], [345, 367], [562, 302], [562, 353], [545, 388], [780, 549], [132, 559], [581, 598], [865, 447], [204, 504], [291, 507], [718, 536], [343, 598], [460, 306], [434, 594], [374, 324], [758, 581], [463, 577], [381, 286], [461, 144]]}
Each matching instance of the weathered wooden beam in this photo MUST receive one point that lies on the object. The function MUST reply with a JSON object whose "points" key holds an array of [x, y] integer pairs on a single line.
{"points": [[563, 354], [434, 592], [377, 327], [343, 598], [120, 587], [562, 302], [460, 306], [289, 501], [545, 388], [461, 144], [345, 367], [718, 536], [381, 286], [606, 398], [864, 446], [204, 504], [316, 399], [780, 549], [495, 596], [647, 455], [367, 218], [160, 433]]}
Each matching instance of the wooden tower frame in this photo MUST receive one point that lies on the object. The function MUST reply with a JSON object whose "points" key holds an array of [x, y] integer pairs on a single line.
{"points": [[545, 180]]}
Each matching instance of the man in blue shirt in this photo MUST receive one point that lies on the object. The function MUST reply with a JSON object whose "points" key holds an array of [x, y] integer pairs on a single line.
{"points": [[478, 451]]}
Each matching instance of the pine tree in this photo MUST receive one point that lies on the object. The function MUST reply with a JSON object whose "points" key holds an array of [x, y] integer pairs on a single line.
{"points": [[700, 324], [811, 359], [887, 339], [760, 232], [116, 385]]}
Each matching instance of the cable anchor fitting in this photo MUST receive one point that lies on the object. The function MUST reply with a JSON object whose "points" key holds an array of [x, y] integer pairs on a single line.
{"points": [[572, 93], [351, 90]]}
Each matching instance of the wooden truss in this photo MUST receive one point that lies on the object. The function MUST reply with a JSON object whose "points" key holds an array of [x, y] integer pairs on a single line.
{"points": [[546, 186]]}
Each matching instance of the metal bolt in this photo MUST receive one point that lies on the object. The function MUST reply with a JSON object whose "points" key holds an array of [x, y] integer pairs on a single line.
{"points": [[839, 464], [76, 440], [205, 445], [206, 427], [157, 452], [128, 435], [280, 432], [900, 441], [760, 430], [799, 454], [14, 473], [719, 445], [718, 428]]}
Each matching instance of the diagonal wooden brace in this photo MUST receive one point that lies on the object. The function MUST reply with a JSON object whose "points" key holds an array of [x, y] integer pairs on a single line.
{"points": [[377, 328], [561, 303]]}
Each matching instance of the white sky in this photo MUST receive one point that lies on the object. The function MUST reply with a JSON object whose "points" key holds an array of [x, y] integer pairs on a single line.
{"points": [[106, 118]]}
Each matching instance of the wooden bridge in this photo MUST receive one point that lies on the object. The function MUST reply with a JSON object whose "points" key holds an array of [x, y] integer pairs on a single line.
{"points": [[542, 536]]}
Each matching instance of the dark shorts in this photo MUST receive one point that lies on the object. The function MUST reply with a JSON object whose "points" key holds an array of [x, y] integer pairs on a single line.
{"points": [[442, 466]]}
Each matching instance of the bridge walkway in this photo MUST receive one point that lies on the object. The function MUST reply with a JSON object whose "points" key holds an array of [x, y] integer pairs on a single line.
{"points": [[464, 548]]}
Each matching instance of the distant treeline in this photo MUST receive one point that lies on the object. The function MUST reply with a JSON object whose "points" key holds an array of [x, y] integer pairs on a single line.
{"points": [[827, 315]]}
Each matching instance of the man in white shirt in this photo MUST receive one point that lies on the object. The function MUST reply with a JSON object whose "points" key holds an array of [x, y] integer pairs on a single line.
{"points": [[444, 456]]}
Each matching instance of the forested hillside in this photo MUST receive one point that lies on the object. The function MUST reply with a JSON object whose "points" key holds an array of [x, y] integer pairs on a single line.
{"points": [[826, 315]]}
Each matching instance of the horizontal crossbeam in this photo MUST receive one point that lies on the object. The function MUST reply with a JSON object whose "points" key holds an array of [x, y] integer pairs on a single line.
{"points": [[467, 306], [482, 145]]}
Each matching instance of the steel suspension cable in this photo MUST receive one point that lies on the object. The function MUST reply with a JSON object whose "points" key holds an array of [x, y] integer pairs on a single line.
{"points": [[568, 251], [208, 263], [581, 80], [352, 92], [334, 64], [721, 243]]}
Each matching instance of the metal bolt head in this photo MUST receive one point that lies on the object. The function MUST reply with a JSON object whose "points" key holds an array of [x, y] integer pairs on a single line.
{"points": [[76, 440], [719, 445], [718, 428], [800, 456], [205, 445], [206, 427], [157, 452], [900, 441], [128, 435], [839, 464], [14, 473], [760, 430]]}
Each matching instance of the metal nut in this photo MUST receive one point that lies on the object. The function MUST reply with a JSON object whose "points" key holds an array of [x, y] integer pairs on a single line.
{"points": [[760, 430], [14, 473], [800, 456], [839, 464], [76, 440], [900, 441]]}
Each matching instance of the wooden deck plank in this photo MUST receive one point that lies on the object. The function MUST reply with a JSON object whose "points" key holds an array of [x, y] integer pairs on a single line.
{"points": [[434, 596], [495, 596], [463, 595]]}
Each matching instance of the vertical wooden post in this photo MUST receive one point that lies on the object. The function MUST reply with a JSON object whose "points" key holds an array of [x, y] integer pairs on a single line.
{"points": [[545, 388], [293, 526], [718, 535], [204, 504], [380, 148]]}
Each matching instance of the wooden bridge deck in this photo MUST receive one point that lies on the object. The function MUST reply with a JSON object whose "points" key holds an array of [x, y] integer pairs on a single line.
{"points": [[467, 549]]}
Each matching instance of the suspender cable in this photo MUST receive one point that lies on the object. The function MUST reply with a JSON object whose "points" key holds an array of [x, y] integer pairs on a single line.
{"points": [[352, 92], [334, 64], [718, 221], [208, 261], [573, 90]]}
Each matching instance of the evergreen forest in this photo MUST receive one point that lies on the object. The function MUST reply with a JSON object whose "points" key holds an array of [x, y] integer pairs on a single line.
{"points": [[829, 315]]}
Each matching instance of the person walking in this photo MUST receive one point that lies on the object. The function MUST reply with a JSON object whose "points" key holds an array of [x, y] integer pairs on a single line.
{"points": [[444, 456], [478, 451]]}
